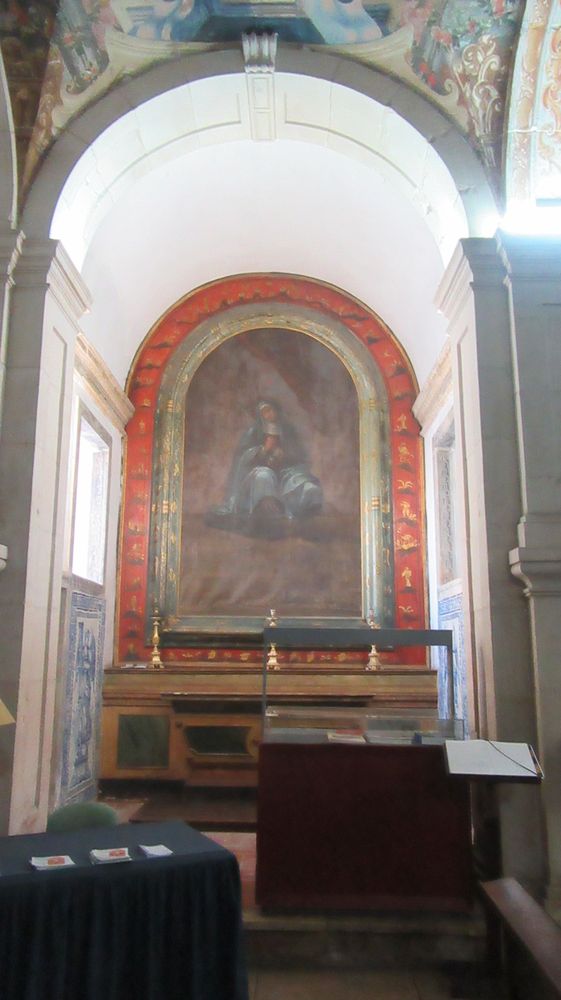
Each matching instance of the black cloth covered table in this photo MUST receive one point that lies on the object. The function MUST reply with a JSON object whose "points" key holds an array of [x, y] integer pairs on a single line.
{"points": [[149, 929]]}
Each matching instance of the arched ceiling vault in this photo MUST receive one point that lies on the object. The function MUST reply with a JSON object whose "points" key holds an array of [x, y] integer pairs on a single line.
{"points": [[155, 182], [175, 192], [219, 110]]}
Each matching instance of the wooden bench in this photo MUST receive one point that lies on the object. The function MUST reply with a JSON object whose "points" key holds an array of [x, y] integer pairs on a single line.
{"points": [[526, 937]]}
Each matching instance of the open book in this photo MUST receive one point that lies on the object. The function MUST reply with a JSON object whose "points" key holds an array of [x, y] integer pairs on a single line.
{"points": [[493, 760]]}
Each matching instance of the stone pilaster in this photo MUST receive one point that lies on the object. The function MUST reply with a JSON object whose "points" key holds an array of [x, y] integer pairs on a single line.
{"points": [[47, 299], [475, 300], [10, 250], [534, 284]]}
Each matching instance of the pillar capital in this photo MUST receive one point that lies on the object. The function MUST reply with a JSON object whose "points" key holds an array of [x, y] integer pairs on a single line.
{"points": [[485, 261], [532, 259], [475, 267], [11, 244], [34, 262], [539, 569], [45, 264]]}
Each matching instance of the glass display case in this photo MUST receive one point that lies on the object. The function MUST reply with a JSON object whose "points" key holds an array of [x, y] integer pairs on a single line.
{"points": [[330, 720], [310, 724]]}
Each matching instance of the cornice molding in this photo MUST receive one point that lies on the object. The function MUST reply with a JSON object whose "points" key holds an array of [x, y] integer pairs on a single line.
{"points": [[539, 569], [44, 264], [101, 384], [542, 530], [11, 245], [67, 286], [486, 263], [33, 263], [455, 286], [531, 259], [436, 392], [476, 265]]}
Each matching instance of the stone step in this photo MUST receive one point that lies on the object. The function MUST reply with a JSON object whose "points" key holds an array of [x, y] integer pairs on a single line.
{"points": [[370, 941]]}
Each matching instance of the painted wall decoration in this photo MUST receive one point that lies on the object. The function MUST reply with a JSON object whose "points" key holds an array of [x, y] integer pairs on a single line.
{"points": [[451, 616], [26, 30], [457, 51], [463, 50], [220, 410], [534, 128], [82, 694]]}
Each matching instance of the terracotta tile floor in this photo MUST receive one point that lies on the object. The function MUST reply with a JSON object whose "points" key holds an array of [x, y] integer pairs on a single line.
{"points": [[243, 846]]}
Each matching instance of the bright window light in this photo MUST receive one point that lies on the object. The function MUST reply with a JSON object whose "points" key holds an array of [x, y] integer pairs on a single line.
{"points": [[533, 218], [90, 510]]}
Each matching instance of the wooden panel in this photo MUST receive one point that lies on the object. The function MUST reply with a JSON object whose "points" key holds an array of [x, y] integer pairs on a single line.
{"points": [[361, 827], [189, 700]]}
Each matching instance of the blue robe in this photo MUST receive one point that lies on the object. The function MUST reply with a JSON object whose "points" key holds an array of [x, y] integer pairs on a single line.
{"points": [[254, 475]]}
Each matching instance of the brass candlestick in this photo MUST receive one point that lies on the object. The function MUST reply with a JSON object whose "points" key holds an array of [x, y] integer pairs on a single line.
{"points": [[272, 660], [155, 658], [374, 661], [371, 621]]}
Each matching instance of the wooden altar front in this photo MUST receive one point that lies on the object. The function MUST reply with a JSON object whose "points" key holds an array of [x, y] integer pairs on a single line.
{"points": [[202, 725]]}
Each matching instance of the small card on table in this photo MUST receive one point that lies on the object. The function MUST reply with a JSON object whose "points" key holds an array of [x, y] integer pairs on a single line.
{"points": [[155, 850], [51, 861], [109, 855]]}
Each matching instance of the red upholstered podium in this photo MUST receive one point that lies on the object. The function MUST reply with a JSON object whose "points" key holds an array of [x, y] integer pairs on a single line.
{"points": [[361, 826]]}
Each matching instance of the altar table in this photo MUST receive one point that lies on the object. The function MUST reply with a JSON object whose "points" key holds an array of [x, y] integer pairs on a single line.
{"points": [[361, 827], [150, 929]]}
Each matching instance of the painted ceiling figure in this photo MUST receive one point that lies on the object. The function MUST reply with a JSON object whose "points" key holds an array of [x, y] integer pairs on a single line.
{"points": [[171, 20], [270, 479], [318, 21], [80, 50]]}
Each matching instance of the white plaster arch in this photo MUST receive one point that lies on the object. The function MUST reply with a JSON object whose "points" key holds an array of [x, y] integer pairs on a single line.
{"points": [[368, 186], [217, 111], [440, 133]]}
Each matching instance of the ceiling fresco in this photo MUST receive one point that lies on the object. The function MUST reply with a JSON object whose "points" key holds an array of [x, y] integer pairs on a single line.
{"points": [[534, 125], [61, 57]]}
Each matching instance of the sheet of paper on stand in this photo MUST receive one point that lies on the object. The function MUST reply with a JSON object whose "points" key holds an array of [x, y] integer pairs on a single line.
{"points": [[492, 759]]}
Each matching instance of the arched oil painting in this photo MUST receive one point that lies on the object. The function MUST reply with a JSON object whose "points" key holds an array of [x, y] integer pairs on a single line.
{"points": [[271, 491]]}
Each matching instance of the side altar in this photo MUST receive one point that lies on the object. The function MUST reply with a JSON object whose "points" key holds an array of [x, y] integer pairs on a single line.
{"points": [[201, 723]]}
